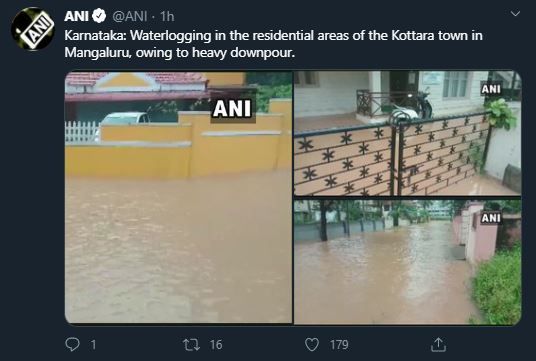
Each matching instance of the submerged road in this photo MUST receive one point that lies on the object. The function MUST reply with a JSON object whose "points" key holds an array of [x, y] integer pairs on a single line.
{"points": [[405, 275]]}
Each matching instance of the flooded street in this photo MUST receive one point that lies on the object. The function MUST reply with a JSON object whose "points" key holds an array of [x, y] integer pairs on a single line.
{"points": [[214, 249], [405, 275]]}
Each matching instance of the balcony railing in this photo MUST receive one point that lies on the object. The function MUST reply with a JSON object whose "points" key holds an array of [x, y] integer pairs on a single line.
{"points": [[373, 104]]}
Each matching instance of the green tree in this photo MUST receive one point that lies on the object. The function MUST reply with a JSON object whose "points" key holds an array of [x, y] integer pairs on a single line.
{"points": [[269, 78], [401, 209], [267, 92], [507, 206]]}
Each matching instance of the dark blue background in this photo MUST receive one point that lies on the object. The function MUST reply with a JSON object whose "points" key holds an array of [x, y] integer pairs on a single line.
{"points": [[33, 168]]}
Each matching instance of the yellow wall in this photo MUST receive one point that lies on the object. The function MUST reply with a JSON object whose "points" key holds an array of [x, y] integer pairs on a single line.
{"points": [[284, 107], [147, 133], [225, 78], [240, 149], [125, 80], [230, 154], [127, 161]]}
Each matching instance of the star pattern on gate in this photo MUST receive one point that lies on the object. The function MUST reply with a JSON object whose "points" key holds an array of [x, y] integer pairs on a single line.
{"points": [[378, 133], [328, 155], [378, 157], [346, 138], [347, 164], [305, 144], [331, 181], [363, 148], [352, 162], [309, 174]]}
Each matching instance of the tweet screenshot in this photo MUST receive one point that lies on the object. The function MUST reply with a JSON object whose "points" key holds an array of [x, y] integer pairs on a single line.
{"points": [[270, 180]]}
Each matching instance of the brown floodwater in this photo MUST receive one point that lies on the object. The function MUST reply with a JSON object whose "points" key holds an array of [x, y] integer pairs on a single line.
{"points": [[405, 275], [211, 250]]}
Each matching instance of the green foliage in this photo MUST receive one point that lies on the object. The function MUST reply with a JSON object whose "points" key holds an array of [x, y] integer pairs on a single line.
{"points": [[455, 205], [174, 106], [267, 92], [512, 206], [476, 154], [408, 211], [473, 320], [497, 288], [269, 78], [268, 85], [501, 115]]}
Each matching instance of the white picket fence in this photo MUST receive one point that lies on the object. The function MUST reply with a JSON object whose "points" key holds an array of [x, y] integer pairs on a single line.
{"points": [[80, 132]]}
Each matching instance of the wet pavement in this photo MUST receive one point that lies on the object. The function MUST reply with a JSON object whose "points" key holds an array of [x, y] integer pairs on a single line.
{"points": [[326, 122], [187, 251], [478, 185], [405, 275]]}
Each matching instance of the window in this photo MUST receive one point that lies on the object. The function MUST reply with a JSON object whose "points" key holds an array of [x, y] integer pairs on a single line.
{"points": [[455, 84], [305, 78]]}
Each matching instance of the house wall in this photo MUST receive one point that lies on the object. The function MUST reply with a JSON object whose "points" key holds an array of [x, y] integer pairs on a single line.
{"points": [[152, 132], [311, 232], [386, 81], [504, 147], [335, 93], [472, 102], [225, 78], [283, 107], [141, 160], [231, 148], [485, 239]]}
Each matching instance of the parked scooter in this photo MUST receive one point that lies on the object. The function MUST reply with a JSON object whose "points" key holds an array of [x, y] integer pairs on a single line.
{"points": [[423, 109]]}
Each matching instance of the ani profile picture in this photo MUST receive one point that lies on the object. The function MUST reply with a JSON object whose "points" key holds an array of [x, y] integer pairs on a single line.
{"points": [[32, 28]]}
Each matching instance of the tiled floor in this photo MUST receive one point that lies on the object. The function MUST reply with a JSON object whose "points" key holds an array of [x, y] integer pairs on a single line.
{"points": [[478, 185], [327, 121]]}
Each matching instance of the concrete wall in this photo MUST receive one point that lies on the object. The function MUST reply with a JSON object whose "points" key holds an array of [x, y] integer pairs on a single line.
{"points": [[265, 145], [335, 230], [311, 232], [225, 78], [152, 132], [483, 242], [140, 160], [335, 93], [505, 147], [283, 107], [472, 102], [509, 232], [306, 232], [366, 226], [196, 147], [479, 240]]}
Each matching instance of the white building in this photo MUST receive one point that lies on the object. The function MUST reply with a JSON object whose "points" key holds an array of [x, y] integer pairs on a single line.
{"points": [[323, 93]]}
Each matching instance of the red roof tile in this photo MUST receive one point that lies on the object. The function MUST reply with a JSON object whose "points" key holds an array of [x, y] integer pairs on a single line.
{"points": [[133, 96], [83, 78], [89, 78]]}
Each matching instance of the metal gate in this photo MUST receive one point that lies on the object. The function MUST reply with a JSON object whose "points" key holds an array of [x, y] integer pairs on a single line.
{"points": [[417, 157]]}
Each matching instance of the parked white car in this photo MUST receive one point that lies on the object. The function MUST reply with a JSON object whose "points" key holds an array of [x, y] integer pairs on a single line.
{"points": [[122, 118]]}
